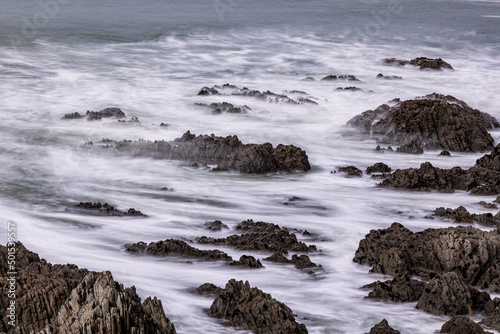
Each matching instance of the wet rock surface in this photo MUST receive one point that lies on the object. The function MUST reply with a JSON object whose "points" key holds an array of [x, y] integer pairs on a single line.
{"points": [[208, 289], [460, 325], [252, 309], [379, 167], [228, 153], [66, 299], [388, 77], [232, 90], [470, 252], [351, 171], [301, 262], [481, 179], [432, 122], [421, 62], [247, 261], [218, 108], [340, 77], [175, 247], [400, 289], [108, 210], [350, 88], [461, 215], [492, 314], [261, 236], [383, 328], [98, 115], [216, 225]]}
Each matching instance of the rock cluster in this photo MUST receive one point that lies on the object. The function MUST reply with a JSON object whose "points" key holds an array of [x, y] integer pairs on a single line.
{"points": [[218, 108], [228, 153], [481, 179], [107, 210], [98, 115], [66, 299], [268, 96], [461, 215], [250, 308], [432, 122], [422, 62]]}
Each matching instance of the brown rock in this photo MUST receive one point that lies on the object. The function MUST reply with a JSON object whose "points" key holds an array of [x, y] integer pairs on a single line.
{"points": [[400, 289], [460, 325], [252, 309], [379, 167], [247, 261], [351, 171], [383, 328]]}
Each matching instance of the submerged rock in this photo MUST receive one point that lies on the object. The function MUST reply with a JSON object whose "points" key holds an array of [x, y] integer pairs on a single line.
{"points": [[208, 289], [98, 115], [388, 77], [66, 299], [261, 236], [229, 153], [470, 252], [383, 328], [216, 225], [461, 215], [340, 77], [300, 262], [268, 96], [421, 62], [251, 309], [177, 248], [108, 210], [225, 107], [351, 171], [379, 167], [431, 122], [350, 88]]}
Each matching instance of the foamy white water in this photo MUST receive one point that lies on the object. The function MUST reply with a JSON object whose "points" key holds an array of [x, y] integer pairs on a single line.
{"points": [[150, 59]]}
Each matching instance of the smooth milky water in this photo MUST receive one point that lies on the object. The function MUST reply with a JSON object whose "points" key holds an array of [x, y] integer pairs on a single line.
{"points": [[150, 58]]}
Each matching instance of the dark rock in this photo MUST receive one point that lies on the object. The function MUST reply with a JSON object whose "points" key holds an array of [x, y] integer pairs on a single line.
{"points": [[105, 113], [74, 115], [488, 205], [66, 299], [252, 309], [460, 325], [216, 225], [445, 153], [300, 262], [208, 289], [388, 77], [261, 236], [351, 88], [247, 261], [340, 77], [108, 210], [228, 90], [177, 248], [421, 62], [472, 253], [351, 171], [400, 289], [449, 294], [225, 107], [379, 167], [383, 328], [492, 313], [394, 262], [478, 180], [165, 125], [461, 215], [413, 147], [229, 153], [497, 200], [309, 79], [435, 121]]}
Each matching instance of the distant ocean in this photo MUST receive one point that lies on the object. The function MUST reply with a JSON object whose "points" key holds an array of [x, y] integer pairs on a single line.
{"points": [[150, 58]]}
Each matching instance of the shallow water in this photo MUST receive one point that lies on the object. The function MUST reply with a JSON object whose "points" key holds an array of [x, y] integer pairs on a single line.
{"points": [[150, 58]]}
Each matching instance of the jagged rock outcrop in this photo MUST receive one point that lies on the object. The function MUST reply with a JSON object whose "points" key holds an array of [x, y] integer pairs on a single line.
{"points": [[216, 225], [400, 289], [383, 328], [432, 122], [421, 62], [251, 309], [449, 294], [460, 325], [268, 96], [218, 108], [351, 171], [492, 314], [229, 153], [379, 167], [98, 115], [66, 299], [461, 215], [261, 236], [470, 252], [247, 261], [176, 247], [107, 210], [481, 179]]}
